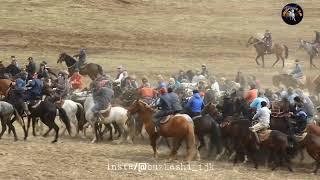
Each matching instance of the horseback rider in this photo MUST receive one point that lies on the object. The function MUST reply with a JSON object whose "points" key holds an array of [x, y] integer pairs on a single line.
{"points": [[195, 104], [256, 103], [306, 104], [82, 57], [121, 75], [267, 39], [173, 84], [145, 82], [297, 72], [147, 93], [131, 83], [227, 107], [13, 68], [251, 94], [175, 101], [19, 94], [34, 87], [61, 89], [31, 68], [102, 97], [164, 105], [215, 85], [204, 70], [300, 120], [263, 117], [198, 77], [182, 75], [76, 80], [43, 71]]}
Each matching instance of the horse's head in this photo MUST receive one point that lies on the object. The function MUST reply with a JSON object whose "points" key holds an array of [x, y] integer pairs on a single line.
{"points": [[301, 44], [61, 58], [139, 106], [210, 109], [250, 41]]}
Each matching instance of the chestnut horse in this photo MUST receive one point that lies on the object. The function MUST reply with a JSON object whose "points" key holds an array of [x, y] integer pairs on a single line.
{"points": [[5, 85], [90, 69], [179, 127], [312, 144], [280, 50]]}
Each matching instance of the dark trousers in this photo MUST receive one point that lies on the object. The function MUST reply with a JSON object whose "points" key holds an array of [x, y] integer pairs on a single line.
{"points": [[194, 114], [159, 115]]}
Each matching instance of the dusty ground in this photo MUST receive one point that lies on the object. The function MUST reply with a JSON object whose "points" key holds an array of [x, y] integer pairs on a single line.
{"points": [[148, 37]]}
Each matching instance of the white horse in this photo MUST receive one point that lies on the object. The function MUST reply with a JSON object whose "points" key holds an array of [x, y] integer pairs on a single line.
{"points": [[75, 112], [117, 115], [6, 113], [291, 14]]}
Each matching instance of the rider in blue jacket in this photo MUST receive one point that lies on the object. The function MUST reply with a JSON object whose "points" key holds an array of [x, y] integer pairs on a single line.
{"points": [[34, 88], [195, 104]]}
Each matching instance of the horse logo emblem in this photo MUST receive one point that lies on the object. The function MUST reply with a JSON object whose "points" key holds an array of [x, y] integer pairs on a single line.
{"points": [[292, 14]]}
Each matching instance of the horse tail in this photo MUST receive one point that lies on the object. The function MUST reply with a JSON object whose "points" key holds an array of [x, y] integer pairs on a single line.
{"points": [[80, 116], [191, 142], [64, 117], [215, 137], [100, 70], [286, 51]]}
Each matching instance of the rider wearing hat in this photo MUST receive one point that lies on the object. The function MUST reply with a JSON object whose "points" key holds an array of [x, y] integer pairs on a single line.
{"points": [[31, 67], [297, 72], [195, 104], [62, 87], [204, 70], [164, 105], [267, 39], [82, 56], [102, 97], [43, 72], [34, 88], [13, 68]]}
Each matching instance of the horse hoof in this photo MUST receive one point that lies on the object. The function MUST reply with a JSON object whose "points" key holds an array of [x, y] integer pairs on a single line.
{"points": [[15, 139], [54, 141]]}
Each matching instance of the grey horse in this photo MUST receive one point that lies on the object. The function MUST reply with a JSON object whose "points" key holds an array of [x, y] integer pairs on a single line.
{"points": [[7, 111], [311, 49]]}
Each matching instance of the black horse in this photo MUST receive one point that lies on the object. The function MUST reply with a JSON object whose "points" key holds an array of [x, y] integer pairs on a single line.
{"points": [[90, 69], [47, 112], [206, 125]]}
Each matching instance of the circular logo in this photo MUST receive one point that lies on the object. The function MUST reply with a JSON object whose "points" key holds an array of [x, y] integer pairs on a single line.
{"points": [[292, 14]]}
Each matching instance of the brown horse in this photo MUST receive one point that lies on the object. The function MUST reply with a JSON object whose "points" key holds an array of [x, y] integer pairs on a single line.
{"points": [[281, 51], [90, 69], [313, 129], [5, 85], [312, 144], [179, 127]]}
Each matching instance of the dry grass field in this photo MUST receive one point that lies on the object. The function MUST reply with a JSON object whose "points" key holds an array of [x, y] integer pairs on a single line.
{"points": [[148, 37]]}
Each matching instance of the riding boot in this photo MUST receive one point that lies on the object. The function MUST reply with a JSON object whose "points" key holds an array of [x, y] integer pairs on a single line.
{"points": [[157, 125]]}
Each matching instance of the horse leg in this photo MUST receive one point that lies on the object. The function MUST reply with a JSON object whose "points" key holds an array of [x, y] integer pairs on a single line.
{"points": [[301, 155], [257, 60], [153, 142], [174, 149], [53, 125], [4, 126], [276, 61], [108, 127], [316, 168], [262, 57], [282, 61], [201, 140], [34, 122], [10, 125]]}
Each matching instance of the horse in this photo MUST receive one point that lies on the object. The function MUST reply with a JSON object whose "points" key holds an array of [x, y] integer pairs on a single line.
{"points": [[75, 112], [117, 115], [5, 85], [311, 50], [206, 125], [179, 126], [312, 144], [46, 111], [281, 51], [6, 113], [90, 69], [285, 79]]}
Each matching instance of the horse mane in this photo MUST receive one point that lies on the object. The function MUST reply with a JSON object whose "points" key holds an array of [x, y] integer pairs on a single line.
{"points": [[146, 106]]}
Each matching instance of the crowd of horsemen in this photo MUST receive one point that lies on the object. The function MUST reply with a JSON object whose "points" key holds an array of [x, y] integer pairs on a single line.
{"points": [[186, 92]]}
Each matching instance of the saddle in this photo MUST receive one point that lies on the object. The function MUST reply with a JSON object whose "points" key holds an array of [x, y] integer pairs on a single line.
{"points": [[264, 134], [166, 119]]}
